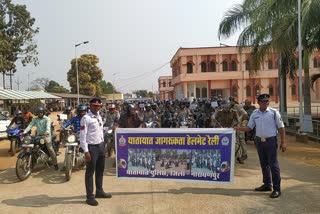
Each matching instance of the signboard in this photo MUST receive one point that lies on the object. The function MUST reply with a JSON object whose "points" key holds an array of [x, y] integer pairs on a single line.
{"points": [[193, 106], [214, 104], [197, 155]]}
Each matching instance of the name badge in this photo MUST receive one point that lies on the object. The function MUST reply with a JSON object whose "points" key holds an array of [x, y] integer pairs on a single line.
{"points": [[263, 139]]}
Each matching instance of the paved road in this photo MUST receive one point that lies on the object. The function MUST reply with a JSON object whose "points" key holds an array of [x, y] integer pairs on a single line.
{"points": [[46, 191]]}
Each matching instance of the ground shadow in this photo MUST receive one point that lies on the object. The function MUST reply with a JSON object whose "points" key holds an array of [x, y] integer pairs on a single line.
{"points": [[8, 176], [43, 201]]}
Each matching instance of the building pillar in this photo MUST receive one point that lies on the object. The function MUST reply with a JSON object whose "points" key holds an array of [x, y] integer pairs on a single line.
{"points": [[230, 87], [185, 90], [209, 89], [276, 87], [219, 63], [253, 91]]}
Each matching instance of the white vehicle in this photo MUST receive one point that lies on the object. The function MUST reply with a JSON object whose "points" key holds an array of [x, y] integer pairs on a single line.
{"points": [[4, 123]]}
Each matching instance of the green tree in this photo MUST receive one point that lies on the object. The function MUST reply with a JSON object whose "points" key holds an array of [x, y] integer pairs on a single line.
{"points": [[55, 87], [141, 93], [16, 37], [107, 87], [271, 25], [90, 75]]}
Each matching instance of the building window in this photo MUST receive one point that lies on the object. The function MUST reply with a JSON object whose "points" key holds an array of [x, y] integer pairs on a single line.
{"points": [[257, 90], [293, 90], [315, 63], [233, 65], [212, 66], [248, 91], [234, 91], [169, 84], [189, 68], [203, 67], [271, 90], [164, 84], [224, 66], [270, 64], [247, 65]]}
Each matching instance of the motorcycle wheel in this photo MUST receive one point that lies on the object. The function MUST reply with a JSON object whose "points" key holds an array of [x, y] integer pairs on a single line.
{"points": [[22, 169], [69, 167]]}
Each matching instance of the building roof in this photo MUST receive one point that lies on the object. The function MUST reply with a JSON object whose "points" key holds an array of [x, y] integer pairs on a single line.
{"points": [[67, 95], [25, 95]]}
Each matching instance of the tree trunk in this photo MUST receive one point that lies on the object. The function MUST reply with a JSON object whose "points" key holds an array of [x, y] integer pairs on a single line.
{"points": [[307, 117]]}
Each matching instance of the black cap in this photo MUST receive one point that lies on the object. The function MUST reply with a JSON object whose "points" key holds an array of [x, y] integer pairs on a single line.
{"points": [[263, 97], [96, 102]]}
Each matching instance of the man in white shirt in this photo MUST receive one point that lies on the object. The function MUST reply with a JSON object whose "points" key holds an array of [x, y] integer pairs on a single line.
{"points": [[92, 143]]}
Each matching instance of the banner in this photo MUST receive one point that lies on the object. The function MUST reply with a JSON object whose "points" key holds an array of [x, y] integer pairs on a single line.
{"points": [[197, 155]]}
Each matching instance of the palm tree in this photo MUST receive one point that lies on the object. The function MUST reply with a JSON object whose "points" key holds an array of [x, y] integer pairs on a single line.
{"points": [[271, 25]]}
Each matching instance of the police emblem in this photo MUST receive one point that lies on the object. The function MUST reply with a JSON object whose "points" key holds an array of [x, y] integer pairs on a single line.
{"points": [[122, 141], [225, 166], [225, 141], [122, 164]]}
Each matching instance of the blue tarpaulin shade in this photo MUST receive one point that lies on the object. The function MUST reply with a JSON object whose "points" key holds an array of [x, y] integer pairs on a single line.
{"points": [[25, 95]]}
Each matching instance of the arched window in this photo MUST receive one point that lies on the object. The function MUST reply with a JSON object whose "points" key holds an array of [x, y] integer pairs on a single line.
{"points": [[169, 84], [212, 66], [248, 91], [163, 84], [233, 65], [247, 65], [234, 91], [225, 66], [203, 67], [189, 67], [293, 90], [315, 63], [270, 64], [271, 90], [257, 90]]}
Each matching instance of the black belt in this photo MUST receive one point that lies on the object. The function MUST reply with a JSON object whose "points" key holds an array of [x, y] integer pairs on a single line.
{"points": [[264, 139], [94, 144]]}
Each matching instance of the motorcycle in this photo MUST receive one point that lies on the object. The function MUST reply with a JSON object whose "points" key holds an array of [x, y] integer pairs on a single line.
{"points": [[169, 122], [14, 135], [74, 155], [184, 122], [109, 139], [149, 123], [34, 152]]}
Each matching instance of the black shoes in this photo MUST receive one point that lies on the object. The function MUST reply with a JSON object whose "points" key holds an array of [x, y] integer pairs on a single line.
{"points": [[103, 195], [263, 188], [92, 202], [275, 194], [244, 157], [56, 167]]}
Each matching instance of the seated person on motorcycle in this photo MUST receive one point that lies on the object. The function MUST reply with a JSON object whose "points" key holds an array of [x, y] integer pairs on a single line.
{"points": [[182, 111], [27, 115], [148, 113], [43, 124], [75, 121], [18, 120], [112, 116], [130, 119], [68, 112]]}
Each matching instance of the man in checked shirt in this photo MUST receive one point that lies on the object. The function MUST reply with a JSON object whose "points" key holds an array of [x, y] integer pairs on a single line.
{"points": [[92, 143]]}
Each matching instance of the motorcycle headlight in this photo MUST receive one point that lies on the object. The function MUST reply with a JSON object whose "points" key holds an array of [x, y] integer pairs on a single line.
{"points": [[42, 141], [71, 139], [27, 140], [110, 131]]}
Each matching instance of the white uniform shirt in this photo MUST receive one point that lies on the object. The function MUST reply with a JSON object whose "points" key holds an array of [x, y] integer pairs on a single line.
{"points": [[91, 130], [267, 123]]}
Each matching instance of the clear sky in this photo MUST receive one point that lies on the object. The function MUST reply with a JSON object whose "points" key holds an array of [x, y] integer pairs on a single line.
{"points": [[130, 37]]}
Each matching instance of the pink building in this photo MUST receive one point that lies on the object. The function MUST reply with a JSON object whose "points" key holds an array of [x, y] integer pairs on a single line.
{"points": [[212, 71], [165, 87]]}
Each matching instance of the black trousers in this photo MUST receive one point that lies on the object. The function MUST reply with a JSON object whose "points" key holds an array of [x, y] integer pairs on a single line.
{"points": [[96, 165]]}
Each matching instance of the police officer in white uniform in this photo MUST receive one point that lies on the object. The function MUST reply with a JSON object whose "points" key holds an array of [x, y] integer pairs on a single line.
{"points": [[92, 143], [267, 122]]}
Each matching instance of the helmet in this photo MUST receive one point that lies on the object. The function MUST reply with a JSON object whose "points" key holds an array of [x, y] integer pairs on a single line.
{"points": [[39, 109], [81, 108], [148, 105], [17, 112], [68, 108], [131, 106], [231, 98], [111, 106], [225, 103]]}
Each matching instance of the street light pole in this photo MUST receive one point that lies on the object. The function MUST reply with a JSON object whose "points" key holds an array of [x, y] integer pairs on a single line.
{"points": [[75, 52], [300, 67], [113, 86]]}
